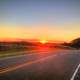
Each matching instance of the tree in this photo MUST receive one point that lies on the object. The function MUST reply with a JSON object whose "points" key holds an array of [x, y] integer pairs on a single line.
{"points": [[75, 43]]}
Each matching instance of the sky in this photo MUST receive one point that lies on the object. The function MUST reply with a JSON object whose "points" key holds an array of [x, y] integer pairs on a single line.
{"points": [[40, 19]]}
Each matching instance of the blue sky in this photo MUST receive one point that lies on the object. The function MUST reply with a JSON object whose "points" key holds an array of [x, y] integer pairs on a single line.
{"points": [[33, 11]]}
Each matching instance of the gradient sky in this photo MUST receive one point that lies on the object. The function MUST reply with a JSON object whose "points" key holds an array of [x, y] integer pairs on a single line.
{"points": [[36, 19]]}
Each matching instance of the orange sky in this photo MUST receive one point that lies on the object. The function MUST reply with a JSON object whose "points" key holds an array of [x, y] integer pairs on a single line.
{"points": [[41, 32]]}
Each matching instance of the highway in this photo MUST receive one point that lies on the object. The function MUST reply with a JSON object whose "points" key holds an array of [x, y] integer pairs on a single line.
{"points": [[41, 65]]}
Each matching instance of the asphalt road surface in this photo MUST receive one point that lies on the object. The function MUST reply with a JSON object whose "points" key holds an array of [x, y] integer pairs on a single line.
{"points": [[41, 65]]}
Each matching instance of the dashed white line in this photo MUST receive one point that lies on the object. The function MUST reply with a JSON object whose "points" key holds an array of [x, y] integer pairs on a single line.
{"points": [[74, 74]]}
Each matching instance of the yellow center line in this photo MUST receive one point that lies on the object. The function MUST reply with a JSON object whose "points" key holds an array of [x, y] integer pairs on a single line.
{"points": [[25, 64]]}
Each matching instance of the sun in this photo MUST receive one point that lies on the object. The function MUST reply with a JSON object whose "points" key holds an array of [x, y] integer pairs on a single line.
{"points": [[43, 41]]}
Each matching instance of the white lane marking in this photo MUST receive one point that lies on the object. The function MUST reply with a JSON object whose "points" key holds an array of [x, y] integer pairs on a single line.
{"points": [[74, 74]]}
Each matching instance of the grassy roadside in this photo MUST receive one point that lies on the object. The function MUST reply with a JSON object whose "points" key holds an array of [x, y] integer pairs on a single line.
{"points": [[13, 53]]}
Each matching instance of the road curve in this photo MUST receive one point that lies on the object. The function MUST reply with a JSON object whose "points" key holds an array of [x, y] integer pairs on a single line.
{"points": [[52, 65]]}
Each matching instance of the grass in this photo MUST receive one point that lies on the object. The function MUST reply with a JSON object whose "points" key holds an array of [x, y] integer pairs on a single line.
{"points": [[13, 52]]}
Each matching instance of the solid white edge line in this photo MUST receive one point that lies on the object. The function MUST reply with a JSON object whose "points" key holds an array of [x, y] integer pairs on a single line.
{"points": [[74, 74]]}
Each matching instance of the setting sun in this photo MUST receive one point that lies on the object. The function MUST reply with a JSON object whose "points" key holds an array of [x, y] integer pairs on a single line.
{"points": [[43, 41]]}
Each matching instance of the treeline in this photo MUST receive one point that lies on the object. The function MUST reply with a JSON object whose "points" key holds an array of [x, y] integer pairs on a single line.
{"points": [[15, 45], [73, 44]]}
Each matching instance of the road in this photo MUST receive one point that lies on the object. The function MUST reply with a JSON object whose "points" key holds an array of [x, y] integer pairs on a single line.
{"points": [[41, 65]]}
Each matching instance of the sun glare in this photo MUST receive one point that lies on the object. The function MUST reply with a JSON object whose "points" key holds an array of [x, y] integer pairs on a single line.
{"points": [[43, 41]]}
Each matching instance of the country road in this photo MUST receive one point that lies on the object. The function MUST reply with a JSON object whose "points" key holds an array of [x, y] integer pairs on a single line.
{"points": [[41, 65]]}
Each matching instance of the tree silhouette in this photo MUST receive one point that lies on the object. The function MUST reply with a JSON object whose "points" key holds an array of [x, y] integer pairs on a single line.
{"points": [[75, 43]]}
